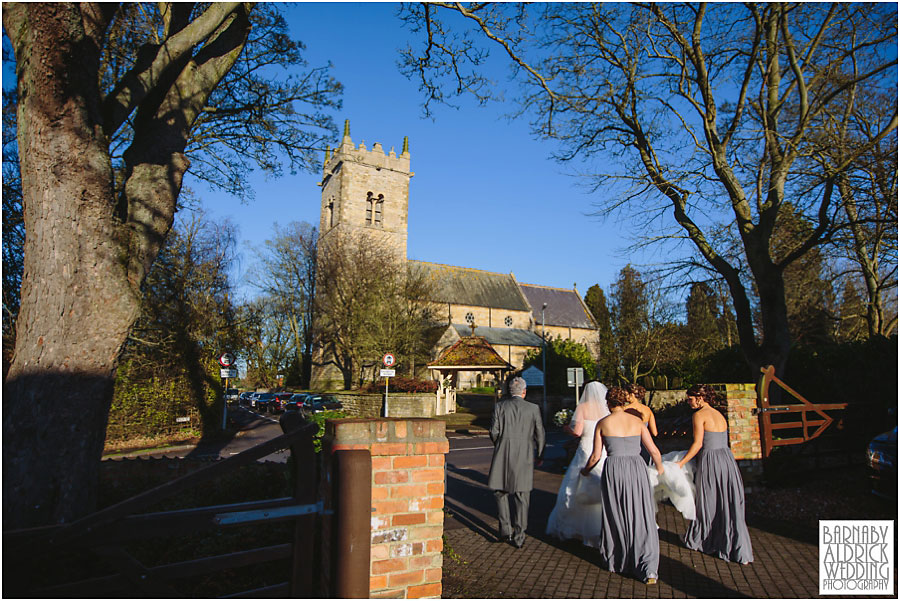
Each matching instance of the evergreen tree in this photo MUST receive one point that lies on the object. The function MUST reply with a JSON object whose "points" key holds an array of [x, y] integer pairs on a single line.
{"points": [[607, 362], [639, 317], [702, 321]]}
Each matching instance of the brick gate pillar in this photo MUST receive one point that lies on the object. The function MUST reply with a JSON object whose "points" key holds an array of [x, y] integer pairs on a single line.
{"points": [[407, 500], [743, 426]]}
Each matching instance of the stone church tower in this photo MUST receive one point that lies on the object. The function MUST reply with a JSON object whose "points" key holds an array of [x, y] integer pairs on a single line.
{"points": [[366, 192], [365, 196]]}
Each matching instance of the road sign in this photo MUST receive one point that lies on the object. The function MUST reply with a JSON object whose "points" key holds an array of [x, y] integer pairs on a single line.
{"points": [[388, 360], [388, 373], [226, 360], [182, 420], [228, 372], [575, 376]]}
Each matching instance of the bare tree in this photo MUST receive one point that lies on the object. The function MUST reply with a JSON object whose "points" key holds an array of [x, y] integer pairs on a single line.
{"points": [[113, 104], [713, 109], [286, 274], [367, 303], [187, 319]]}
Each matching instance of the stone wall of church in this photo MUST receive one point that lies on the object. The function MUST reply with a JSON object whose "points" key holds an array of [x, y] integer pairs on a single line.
{"points": [[488, 317], [585, 336]]}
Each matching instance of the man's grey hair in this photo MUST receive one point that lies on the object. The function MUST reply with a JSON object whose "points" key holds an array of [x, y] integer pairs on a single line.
{"points": [[517, 387]]}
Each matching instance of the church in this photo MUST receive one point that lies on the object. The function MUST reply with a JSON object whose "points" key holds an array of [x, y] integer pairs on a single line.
{"points": [[368, 190]]}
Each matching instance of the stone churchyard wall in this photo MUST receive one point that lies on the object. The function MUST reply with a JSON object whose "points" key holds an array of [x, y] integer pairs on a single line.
{"points": [[400, 404]]}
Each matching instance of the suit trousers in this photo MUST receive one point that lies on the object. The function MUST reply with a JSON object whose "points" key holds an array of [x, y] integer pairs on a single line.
{"points": [[516, 529]]}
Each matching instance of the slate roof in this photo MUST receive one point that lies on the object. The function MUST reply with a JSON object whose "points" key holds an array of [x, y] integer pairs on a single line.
{"points": [[504, 336], [471, 351], [564, 307], [465, 286]]}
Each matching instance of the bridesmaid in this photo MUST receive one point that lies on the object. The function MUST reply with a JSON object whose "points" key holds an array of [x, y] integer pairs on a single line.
{"points": [[628, 541], [720, 528], [636, 407]]}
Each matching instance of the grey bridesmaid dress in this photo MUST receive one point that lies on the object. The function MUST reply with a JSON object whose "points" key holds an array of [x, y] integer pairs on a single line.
{"points": [[720, 528], [629, 542]]}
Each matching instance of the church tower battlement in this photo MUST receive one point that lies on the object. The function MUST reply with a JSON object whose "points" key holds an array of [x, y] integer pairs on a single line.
{"points": [[366, 192]]}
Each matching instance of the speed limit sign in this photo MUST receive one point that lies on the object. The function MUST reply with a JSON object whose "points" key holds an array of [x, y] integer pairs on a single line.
{"points": [[388, 360], [226, 360]]}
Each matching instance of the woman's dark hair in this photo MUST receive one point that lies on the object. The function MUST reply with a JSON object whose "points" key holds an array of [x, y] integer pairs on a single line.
{"points": [[637, 390], [705, 392], [616, 397]]}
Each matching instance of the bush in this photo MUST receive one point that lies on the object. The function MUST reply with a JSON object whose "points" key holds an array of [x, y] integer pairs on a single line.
{"points": [[401, 384]]}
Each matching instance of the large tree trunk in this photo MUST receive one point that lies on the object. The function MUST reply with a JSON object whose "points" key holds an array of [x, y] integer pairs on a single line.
{"points": [[58, 390], [87, 251]]}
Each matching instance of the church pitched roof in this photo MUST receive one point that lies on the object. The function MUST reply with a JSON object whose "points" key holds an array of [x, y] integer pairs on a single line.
{"points": [[564, 306], [469, 352], [504, 336], [465, 286]]}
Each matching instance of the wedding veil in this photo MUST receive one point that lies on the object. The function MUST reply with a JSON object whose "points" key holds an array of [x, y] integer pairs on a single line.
{"points": [[592, 404]]}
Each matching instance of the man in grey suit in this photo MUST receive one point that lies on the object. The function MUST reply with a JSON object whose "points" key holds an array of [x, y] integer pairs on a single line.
{"points": [[517, 432]]}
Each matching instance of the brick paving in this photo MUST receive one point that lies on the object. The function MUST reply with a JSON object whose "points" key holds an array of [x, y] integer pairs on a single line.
{"points": [[474, 566], [785, 560]]}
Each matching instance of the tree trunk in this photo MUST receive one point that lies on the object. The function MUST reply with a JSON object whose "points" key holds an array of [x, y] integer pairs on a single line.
{"points": [[59, 387], [86, 253]]}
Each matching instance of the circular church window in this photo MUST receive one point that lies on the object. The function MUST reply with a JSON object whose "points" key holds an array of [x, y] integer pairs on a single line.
{"points": [[470, 319], [508, 321]]}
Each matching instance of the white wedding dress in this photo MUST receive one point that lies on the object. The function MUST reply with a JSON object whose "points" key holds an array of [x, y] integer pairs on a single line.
{"points": [[578, 513], [675, 484]]}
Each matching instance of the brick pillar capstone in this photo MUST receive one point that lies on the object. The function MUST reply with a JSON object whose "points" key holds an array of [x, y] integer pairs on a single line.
{"points": [[407, 500]]}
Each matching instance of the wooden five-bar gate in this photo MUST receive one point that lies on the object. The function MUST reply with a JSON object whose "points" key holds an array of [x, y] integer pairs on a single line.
{"points": [[789, 423], [106, 533]]}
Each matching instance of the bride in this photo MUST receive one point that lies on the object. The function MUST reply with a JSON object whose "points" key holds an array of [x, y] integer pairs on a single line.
{"points": [[577, 513]]}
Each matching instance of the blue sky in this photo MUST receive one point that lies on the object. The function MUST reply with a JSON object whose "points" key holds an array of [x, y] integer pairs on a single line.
{"points": [[485, 194]]}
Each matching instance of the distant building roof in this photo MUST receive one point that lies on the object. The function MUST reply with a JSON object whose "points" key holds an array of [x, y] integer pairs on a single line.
{"points": [[470, 352], [465, 286], [504, 336], [564, 307]]}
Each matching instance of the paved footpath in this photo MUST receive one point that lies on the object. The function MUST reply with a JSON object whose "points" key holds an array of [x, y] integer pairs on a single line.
{"points": [[475, 566]]}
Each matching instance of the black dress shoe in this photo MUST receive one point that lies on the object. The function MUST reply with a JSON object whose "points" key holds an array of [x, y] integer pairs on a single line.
{"points": [[503, 539], [515, 544]]}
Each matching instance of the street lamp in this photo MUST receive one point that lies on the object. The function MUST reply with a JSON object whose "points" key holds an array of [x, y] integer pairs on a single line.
{"points": [[544, 360]]}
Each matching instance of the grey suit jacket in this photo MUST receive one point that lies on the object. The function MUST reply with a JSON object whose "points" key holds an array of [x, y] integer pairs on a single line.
{"points": [[516, 432]]}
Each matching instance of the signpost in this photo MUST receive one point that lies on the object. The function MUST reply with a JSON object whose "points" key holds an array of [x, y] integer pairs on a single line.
{"points": [[226, 360], [388, 360], [575, 377]]}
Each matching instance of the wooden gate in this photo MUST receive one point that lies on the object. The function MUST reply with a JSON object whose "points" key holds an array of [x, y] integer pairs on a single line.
{"points": [[779, 425], [108, 533]]}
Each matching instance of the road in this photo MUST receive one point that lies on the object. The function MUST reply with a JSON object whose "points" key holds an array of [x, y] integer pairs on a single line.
{"points": [[468, 501], [470, 504]]}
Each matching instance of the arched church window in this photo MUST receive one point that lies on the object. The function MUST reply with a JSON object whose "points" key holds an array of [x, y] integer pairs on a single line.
{"points": [[379, 203], [470, 319], [508, 321], [331, 212], [374, 209]]}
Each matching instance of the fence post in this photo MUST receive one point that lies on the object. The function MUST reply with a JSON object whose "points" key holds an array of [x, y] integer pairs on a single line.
{"points": [[303, 561], [353, 500]]}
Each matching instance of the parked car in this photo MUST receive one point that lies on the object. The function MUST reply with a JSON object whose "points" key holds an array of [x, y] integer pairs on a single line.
{"points": [[317, 403], [295, 403], [881, 453], [261, 401], [244, 398], [232, 394], [276, 405]]}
